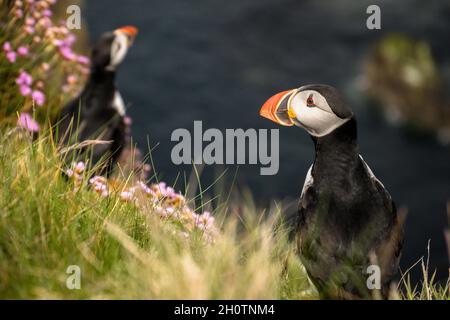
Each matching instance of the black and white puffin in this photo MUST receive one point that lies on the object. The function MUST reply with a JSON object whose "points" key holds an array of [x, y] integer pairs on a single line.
{"points": [[347, 220], [99, 111]]}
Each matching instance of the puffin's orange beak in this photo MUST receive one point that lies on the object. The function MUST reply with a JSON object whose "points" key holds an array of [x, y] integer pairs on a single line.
{"points": [[130, 31], [272, 111]]}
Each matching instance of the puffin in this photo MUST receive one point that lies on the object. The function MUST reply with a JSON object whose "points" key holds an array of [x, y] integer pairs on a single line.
{"points": [[99, 111], [349, 235]]}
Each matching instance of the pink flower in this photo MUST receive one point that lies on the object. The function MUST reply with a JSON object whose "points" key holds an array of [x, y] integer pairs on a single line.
{"points": [[40, 85], [79, 167], [58, 42], [127, 121], [22, 51], [99, 184], [47, 13], [24, 78], [66, 88], [7, 47], [85, 71], [25, 90], [26, 122], [67, 53], [11, 56], [30, 21], [29, 29], [45, 22], [70, 40], [145, 189], [127, 196], [45, 66], [83, 60], [69, 173], [72, 79], [18, 13], [38, 97]]}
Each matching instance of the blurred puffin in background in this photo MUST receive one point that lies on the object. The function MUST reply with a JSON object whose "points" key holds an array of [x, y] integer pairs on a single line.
{"points": [[99, 111], [347, 219]]}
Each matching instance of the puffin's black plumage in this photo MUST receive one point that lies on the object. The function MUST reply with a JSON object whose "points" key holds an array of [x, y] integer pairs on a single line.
{"points": [[347, 219], [98, 113]]}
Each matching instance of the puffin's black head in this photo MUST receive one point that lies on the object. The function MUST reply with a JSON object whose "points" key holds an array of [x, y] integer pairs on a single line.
{"points": [[317, 108], [112, 48]]}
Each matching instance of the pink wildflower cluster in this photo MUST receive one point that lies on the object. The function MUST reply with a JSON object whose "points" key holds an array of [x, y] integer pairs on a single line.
{"points": [[169, 204], [25, 81], [76, 172], [100, 185], [11, 54], [156, 198], [27, 122], [30, 30]]}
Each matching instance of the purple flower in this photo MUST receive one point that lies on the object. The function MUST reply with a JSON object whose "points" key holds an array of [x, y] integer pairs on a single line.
{"points": [[7, 47], [26, 122], [11, 56], [38, 97], [22, 51]]}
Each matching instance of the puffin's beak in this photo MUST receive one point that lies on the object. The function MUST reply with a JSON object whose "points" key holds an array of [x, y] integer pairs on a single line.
{"points": [[276, 108], [130, 31]]}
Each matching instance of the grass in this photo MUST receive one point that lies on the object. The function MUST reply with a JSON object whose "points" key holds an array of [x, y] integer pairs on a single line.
{"points": [[47, 224]]}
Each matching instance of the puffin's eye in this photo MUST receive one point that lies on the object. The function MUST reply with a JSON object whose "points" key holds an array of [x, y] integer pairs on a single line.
{"points": [[310, 101]]}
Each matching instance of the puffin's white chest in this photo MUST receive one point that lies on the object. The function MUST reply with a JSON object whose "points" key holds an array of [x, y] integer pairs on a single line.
{"points": [[118, 103]]}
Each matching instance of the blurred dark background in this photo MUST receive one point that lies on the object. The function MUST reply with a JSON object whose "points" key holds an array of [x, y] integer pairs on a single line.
{"points": [[218, 61]]}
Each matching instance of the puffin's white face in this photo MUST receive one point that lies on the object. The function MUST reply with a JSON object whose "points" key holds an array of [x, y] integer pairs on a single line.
{"points": [[119, 49], [310, 110], [123, 39], [307, 108]]}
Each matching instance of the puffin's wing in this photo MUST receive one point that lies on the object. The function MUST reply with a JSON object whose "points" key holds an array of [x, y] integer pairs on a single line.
{"points": [[305, 199], [387, 199], [389, 251], [309, 180]]}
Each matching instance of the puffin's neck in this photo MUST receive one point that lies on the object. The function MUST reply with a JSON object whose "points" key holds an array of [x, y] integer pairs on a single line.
{"points": [[337, 153], [102, 78]]}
